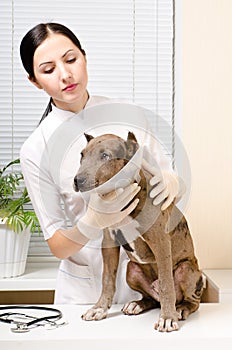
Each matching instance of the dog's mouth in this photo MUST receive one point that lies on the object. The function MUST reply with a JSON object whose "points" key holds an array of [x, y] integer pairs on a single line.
{"points": [[80, 184]]}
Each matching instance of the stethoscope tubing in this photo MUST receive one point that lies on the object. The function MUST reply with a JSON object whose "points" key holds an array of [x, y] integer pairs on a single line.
{"points": [[27, 307]]}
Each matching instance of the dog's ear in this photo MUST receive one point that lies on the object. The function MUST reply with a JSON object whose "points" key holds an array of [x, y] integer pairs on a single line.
{"points": [[131, 145], [131, 137], [88, 137]]}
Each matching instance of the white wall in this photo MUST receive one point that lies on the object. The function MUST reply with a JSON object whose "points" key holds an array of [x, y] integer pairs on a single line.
{"points": [[206, 105]]}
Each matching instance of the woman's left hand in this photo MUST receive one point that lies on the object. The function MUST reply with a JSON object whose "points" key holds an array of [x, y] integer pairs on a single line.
{"points": [[166, 186]]}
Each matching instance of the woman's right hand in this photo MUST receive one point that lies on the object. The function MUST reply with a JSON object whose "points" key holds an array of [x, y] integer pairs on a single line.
{"points": [[106, 210]]}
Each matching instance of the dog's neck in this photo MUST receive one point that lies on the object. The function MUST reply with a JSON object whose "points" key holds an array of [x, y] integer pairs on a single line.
{"points": [[143, 194]]}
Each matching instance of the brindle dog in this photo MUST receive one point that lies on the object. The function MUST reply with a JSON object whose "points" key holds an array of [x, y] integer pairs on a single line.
{"points": [[162, 266]]}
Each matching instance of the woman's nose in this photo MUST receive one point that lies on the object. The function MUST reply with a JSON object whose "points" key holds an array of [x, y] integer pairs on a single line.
{"points": [[65, 73]]}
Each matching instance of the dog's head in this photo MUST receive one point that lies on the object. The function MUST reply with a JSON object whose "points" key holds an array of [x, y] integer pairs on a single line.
{"points": [[102, 158]]}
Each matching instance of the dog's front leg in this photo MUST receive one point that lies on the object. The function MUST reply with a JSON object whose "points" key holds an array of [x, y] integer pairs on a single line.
{"points": [[168, 316], [160, 244], [110, 254]]}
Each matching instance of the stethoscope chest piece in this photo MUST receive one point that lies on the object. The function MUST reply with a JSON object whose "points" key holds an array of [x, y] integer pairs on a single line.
{"points": [[20, 328]]}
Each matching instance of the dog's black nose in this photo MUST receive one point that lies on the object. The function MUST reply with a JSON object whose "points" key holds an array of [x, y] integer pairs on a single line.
{"points": [[79, 181]]}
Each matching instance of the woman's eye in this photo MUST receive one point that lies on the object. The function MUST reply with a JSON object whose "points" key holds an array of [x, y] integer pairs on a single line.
{"points": [[49, 71], [105, 156], [71, 60]]}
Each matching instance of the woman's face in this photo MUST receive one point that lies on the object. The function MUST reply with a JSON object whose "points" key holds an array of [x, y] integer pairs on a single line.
{"points": [[60, 69]]}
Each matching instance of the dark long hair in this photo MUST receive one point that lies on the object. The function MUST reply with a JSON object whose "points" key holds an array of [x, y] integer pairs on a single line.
{"points": [[33, 39]]}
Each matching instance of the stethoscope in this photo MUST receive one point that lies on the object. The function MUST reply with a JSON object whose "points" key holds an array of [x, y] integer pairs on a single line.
{"points": [[24, 323]]}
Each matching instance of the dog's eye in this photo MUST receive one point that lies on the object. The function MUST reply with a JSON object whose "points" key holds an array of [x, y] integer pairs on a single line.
{"points": [[105, 156]]}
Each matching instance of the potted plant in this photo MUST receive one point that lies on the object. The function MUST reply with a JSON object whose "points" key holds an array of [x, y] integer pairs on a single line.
{"points": [[17, 221]]}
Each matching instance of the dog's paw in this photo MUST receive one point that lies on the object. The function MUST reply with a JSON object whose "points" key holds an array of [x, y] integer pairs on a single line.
{"points": [[138, 306], [166, 325], [183, 312], [95, 314], [132, 308]]}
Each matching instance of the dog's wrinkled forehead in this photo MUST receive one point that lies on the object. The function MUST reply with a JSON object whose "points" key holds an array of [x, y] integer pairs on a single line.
{"points": [[106, 143], [110, 146]]}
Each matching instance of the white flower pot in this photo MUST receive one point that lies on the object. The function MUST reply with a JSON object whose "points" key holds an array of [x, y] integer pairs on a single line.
{"points": [[13, 251]]}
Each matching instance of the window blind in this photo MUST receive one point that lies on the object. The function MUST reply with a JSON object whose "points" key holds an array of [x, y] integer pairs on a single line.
{"points": [[129, 46]]}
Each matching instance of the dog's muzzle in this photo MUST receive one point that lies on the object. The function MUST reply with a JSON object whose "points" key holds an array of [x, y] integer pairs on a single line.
{"points": [[79, 182]]}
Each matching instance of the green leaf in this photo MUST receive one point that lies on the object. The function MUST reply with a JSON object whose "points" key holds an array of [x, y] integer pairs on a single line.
{"points": [[14, 199]]}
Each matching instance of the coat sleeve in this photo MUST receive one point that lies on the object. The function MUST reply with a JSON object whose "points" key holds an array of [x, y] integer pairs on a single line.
{"points": [[44, 194]]}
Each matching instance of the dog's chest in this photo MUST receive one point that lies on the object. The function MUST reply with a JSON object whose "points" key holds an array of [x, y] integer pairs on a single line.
{"points": [[137, 250], [140, 252]]}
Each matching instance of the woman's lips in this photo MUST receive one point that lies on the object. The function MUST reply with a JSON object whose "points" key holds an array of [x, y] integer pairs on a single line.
{"points": [[70, 87]]}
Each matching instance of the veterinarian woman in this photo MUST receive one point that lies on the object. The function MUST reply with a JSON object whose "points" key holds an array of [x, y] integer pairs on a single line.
{"points": [[55, 62]]}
